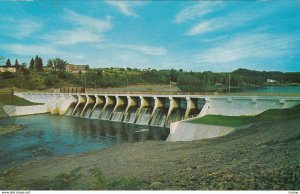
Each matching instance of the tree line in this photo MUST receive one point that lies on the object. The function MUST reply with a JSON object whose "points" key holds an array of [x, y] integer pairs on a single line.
{"points": [[35, 64], [56, 76], [56, 64]]}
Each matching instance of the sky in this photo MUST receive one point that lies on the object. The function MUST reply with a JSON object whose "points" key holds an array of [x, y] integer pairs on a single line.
{"points": [[218, 36]]}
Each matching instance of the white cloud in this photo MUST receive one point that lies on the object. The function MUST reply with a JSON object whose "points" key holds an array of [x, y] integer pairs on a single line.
{"points": [[222, 23], [110, 57], [86, 30], [27, 27], [248, 47], [22, 0], [26, 49], [148, 50], [218, 38], [72, 37], [124, 7], [73, 44], [21, 28], [200, 9], [204, 27], [90, 23]]}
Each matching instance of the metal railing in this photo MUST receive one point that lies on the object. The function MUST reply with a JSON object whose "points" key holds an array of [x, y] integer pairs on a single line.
{"points": [[174, 93]]}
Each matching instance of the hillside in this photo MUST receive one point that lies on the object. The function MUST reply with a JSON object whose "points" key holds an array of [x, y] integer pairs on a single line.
{"points": [[264, 156], [207, 81], [103, 78]]}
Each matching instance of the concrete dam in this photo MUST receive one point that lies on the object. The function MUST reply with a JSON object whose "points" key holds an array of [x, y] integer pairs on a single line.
{"points": [[148, 109], [155, 110]]}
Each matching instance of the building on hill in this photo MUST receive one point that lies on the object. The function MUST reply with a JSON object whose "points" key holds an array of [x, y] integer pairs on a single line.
{"points": [[8, 69], [272, 81], [75, 68]]}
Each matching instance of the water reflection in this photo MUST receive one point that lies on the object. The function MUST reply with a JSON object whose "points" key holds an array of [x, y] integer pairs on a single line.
{"points": [[47, 135]]}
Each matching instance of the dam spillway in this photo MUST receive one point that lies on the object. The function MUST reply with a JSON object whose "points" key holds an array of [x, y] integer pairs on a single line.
{"points": [[149, 109]]}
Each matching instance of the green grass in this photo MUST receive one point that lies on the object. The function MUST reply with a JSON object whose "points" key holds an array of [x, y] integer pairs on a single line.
{"points": [[268, 115], [7, 99]]}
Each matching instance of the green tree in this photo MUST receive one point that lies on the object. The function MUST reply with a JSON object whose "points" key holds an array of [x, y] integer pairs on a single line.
{"points": [[17, 64], [24, 70], [23, 65], [31, 66], [99, 73], [8, 64], [57, 64], [7, 75], [51, 64], [173, 75], [38, 63], [50, 81]]}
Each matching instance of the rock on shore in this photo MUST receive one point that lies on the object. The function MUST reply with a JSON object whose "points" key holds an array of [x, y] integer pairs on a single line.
{"points": [[9, 129]]}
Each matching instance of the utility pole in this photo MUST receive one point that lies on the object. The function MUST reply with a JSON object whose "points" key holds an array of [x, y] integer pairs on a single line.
{"points": [[95, 85], [85, 84], [12, 97], [229, 84], [127, 85], [170, 84]]}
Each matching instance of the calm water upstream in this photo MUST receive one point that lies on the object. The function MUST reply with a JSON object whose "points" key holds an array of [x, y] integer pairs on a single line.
{"points": [[269, 90], [277, 89], [47, 135]]}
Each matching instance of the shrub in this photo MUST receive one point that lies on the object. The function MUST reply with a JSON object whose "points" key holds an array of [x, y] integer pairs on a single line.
{"points": [[50, 81], [97, 173], [67, 181], [7, 75], [61, 75]]}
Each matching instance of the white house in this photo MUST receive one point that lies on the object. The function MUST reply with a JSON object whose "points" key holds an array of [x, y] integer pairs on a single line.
{"points": [[8, 69], [272, 81]]}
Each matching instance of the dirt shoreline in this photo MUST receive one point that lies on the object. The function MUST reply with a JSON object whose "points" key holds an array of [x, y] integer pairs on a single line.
{"points": [[9, 129], [264, 156]]}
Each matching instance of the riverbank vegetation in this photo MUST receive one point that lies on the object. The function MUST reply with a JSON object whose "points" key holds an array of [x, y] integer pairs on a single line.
{"points": [[268, 115], [54, 75]]}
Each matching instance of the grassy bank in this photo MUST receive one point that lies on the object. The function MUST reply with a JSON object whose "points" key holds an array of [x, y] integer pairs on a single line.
{"points": [[8, 99], [264, 156], [269, 115]]}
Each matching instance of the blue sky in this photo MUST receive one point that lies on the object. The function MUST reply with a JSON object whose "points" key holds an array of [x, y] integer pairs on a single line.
{"points": [[216, 36]]}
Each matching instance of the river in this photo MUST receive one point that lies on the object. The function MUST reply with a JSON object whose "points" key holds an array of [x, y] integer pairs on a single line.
{"points": [[277, 89], [47, 135]]}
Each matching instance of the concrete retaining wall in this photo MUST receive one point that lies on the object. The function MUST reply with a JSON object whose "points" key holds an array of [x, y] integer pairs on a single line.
{"points": [[182, 131], [246, 105], [25, 110]]}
